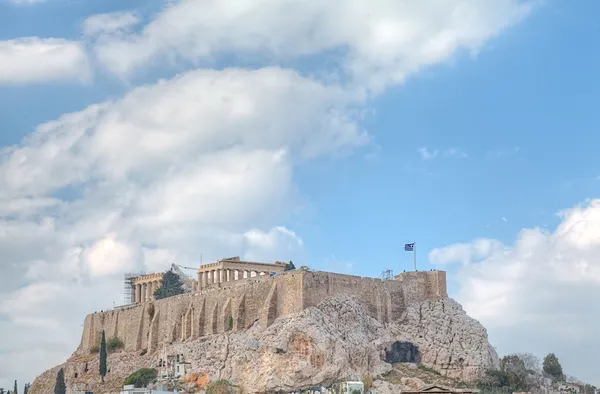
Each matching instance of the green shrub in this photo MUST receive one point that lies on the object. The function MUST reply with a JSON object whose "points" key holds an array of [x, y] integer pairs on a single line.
{"points": [[230, 322], [114, 344], [221, 386], [428, 369], [94, 349], [367, 382], [142, 377]]}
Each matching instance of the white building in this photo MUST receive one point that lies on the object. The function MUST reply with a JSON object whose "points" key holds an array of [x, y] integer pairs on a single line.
{"points": [[130, 389]]}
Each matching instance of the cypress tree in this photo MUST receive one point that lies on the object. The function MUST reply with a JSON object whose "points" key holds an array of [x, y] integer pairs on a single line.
{"points": [[60, 387], [553, 368], [16, 390], [103, 357]]}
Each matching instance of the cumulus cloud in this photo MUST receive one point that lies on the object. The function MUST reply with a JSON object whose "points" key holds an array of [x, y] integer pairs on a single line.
{"points": [[109, 23], [34, 60], [197, 165], [540, 293], [278, 244], [381, 41]]}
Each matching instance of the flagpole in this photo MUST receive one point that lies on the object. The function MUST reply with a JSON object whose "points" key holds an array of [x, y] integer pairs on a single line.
{"points": [[415, 254]]}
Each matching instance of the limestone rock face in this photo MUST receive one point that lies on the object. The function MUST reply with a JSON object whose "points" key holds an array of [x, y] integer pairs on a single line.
{"points": [[449, 341], [334, 341]]}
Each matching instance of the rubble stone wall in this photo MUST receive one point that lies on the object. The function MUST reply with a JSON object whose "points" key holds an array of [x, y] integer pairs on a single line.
{"points": [[235, 306]]}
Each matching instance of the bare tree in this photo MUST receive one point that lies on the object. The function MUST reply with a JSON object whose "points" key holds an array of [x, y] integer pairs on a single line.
{"points": [[532, 363]]}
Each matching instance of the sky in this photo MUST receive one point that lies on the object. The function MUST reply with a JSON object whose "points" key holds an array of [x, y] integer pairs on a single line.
{"points": [[141, 133]]}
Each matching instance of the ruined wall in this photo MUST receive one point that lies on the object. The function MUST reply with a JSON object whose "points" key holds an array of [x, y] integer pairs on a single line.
{"points": [[238, 305]]}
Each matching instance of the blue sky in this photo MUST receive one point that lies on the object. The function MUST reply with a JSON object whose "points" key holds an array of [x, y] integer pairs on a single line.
{"points": [[485, 141]]}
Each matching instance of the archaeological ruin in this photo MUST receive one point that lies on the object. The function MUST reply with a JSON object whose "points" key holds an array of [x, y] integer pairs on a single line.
{"points": [[231, 295]]}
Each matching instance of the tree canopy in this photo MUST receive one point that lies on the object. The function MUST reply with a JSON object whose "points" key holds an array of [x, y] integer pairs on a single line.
{"points": [[552, 367], [142, 377], [171, 285]]}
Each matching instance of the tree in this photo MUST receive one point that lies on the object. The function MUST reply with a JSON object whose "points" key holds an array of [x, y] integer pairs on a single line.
{"points": [[532, 363], [290, 266], [142, 377], [60, 387], [16, 389], [515, 371], [552, 367], [589, 389], [171, 285], [103, 357], [26, 388]]}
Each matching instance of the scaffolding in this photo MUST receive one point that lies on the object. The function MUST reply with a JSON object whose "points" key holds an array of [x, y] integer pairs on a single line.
{"points": [[128, 286], [186, 280], [387, 275]]}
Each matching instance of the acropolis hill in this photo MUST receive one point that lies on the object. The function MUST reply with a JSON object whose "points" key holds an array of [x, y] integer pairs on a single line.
{"points": [[277, 330]]}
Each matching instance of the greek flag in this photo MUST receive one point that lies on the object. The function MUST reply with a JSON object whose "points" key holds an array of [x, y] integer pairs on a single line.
{"points": [[409, 247]]}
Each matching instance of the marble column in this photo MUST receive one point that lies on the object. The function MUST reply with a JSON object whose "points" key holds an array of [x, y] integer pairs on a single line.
{"points": [[203, 282], [137, 293], [132, 295]]}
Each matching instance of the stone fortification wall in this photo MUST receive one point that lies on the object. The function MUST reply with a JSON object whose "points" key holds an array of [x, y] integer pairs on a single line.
{"points": [[237, 305], [423, 285]]}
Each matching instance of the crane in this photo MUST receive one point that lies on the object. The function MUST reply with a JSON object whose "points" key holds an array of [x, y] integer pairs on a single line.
{"points": [[178, 270]]}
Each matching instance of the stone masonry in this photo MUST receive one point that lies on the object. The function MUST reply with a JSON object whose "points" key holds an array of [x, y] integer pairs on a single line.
{"points": [[236, 305], [233, 269], [144, 287]]}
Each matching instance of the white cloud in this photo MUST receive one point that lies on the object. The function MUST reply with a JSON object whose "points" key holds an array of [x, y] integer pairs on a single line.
{"points": [[451, 153], [539, 294], [110, 23], [279, 244], [165, 174], [381, 41], [109, 256], [200, 164], [34, 60]]}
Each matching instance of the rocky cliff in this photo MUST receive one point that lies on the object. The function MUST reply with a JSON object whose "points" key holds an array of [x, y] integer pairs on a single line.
{"points": [[335, 340]]}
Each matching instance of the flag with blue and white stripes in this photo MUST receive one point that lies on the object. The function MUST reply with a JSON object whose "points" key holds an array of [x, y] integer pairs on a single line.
{"points": [[409, 247]]}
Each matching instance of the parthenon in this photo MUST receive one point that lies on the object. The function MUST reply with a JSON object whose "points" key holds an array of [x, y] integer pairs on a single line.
{"points": [[233, 269], [144, 287], [212, 274]]}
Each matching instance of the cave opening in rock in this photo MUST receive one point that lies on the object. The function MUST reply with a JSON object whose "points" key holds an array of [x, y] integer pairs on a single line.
{"points": [[402, 352]]}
